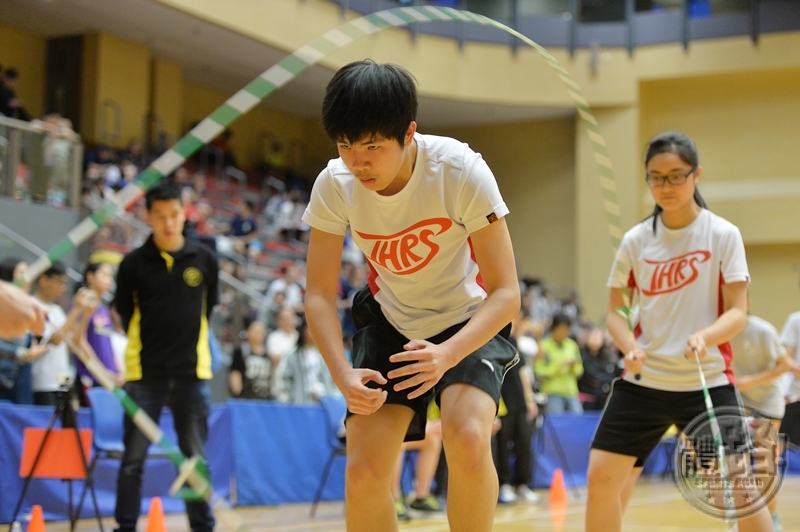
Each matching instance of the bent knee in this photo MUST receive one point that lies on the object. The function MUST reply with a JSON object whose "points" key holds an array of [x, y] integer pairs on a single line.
{"points": [[365, 475], [468, 441]]}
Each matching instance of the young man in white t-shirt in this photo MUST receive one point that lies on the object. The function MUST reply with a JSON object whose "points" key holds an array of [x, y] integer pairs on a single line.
{"points": [[428, 215], [52, 369]]}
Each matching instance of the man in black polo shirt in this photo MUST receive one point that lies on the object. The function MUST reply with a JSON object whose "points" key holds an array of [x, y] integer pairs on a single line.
{"points": [[166, 290]]}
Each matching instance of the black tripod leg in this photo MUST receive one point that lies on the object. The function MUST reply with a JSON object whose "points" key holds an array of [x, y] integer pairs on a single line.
{"points": [[33, 468], [563, 458], [89, 483]]}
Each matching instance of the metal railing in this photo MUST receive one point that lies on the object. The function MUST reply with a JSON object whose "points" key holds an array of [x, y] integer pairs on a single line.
{"points": [[629, 24], [36, 165]]}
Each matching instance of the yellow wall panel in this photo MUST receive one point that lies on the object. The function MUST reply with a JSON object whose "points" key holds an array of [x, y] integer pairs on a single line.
{"points": [[775, 286], [249, 132], [28, 54], [167, 99], [534, 165]]}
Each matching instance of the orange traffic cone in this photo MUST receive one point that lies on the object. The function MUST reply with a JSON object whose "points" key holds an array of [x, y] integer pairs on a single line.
{"points": [[558, 514], [36, 523], [558, 490], [155, 517]]}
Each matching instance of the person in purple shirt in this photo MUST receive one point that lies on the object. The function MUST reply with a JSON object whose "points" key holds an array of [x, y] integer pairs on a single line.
{"points": [[98, 279]]}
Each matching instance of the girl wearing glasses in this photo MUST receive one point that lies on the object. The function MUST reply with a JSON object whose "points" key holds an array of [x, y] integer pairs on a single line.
{"points": [[687, 268]]}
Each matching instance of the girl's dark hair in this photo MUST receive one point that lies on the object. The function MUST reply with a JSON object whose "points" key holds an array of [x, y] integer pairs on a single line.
{"points": [[365, 98], [91, 268], [7, 267], [682, 146]]}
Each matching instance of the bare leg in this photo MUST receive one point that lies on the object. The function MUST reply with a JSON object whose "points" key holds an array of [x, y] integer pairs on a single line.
{"points": [[627, 491], [428, 459], [373, 445], [610, 487], [467, 418]]}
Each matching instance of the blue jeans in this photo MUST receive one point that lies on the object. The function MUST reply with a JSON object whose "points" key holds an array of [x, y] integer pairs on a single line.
{"points": [[190, 403], [558, 404]]}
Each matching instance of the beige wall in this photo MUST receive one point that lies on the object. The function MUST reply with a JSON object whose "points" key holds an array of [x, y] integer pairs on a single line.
{"points": [[166, 98], [27, 53], [251, 130], [534, 166], [116, 72], [775, 287]]}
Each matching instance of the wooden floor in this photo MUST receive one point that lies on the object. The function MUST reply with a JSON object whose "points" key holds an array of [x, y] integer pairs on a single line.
{"points": [[656, 506]]}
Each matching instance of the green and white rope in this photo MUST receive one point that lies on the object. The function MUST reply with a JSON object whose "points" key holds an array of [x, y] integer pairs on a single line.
{"points": [[286, 70], [193, 471]]}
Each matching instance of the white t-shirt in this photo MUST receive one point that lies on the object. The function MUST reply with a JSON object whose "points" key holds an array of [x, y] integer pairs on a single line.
{"points": [[790, 336], [755, 350], [678, 274], [422, 272], [51, 369], [280, 342]]}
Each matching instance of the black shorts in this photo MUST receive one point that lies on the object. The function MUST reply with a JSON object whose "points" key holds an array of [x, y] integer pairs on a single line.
{"points": [[376, 340], [635, 418], [790, 425]]}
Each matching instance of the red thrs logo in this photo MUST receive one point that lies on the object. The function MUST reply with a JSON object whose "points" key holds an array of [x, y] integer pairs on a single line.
{"points": [[411, 249], [674, 274]]}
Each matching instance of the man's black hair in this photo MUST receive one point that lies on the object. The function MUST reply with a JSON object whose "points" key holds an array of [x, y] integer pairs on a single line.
{"points": [[162, 192], [11, 73], [365, 99]]}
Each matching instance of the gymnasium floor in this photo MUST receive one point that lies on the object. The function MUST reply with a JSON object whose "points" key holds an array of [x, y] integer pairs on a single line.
{"points": [[656, 507]]}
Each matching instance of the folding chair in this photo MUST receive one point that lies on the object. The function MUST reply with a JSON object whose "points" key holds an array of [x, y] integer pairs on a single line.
{"points": [[108, 424], [335, 409]]}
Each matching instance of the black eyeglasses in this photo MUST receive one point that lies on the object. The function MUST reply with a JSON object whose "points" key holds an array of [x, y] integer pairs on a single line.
{"points": [[673, 179]]}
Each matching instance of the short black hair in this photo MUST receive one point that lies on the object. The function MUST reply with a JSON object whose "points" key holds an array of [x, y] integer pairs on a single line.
{"points": [[162, 192], [365, 98], [561, 319], [57, 269], [11, 73]]}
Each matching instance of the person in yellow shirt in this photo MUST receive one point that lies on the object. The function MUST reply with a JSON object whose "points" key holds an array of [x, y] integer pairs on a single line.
{"points": [[558, 366]]}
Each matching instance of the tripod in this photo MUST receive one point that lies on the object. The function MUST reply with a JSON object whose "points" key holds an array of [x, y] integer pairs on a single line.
{"points": [[539, 438], [63, 410]]}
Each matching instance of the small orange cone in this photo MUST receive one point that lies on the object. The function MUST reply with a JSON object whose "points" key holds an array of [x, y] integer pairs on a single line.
{"points": [[558, 490], [36, 523], [155, 517]]}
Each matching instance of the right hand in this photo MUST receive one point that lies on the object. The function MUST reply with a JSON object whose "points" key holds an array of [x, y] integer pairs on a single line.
{"points": [[361, 399], [85, 299], [634, 361]]}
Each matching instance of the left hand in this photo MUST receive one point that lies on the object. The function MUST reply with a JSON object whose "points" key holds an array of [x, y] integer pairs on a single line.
{"points": [[35, 351], [431, 362], [696, 343]]}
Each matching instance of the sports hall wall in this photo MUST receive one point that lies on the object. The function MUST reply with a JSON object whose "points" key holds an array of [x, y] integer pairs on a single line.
{"points": [[739, 101]]}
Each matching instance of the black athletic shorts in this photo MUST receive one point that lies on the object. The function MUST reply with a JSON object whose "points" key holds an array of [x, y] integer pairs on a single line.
{"points": [[635, 419], [376, 340], [790, 425]]}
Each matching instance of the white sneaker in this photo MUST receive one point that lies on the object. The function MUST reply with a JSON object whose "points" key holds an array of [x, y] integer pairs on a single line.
{"points": [[525, 494], [507, 495]]}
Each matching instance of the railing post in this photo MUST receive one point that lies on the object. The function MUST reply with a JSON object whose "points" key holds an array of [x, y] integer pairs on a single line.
{"points": [[13, 149], [515, 25], [75, 176], [630, 18], [755, 21], [685, 37], [574, 8]]}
